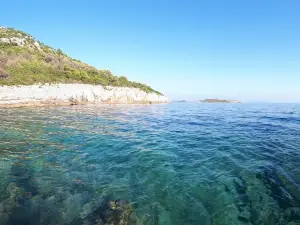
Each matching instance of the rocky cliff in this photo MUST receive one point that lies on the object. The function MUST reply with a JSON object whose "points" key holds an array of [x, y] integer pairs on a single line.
{"points": [[71, 94]]}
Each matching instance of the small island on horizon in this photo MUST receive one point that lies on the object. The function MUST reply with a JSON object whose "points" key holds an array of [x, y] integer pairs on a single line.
{"points": [[215, 100], [179, 101]]}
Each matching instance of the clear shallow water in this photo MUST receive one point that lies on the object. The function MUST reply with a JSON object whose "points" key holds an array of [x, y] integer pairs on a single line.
{"points": [[181, 163]]}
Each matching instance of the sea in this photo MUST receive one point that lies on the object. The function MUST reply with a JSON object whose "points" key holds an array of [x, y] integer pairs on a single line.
{"points": [[166, 164]]}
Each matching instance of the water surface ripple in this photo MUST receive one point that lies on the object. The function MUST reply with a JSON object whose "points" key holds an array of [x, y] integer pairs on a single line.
{"points": [[178, 164]]}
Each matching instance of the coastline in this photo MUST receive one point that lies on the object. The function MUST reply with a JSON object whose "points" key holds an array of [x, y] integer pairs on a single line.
{"points": [[73, 94]]}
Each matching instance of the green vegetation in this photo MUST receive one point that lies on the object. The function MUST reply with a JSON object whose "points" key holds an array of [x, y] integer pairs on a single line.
{"points": [[32, 62]]}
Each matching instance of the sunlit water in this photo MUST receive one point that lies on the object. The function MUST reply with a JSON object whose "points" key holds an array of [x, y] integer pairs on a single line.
{"points": [[180, 163]]}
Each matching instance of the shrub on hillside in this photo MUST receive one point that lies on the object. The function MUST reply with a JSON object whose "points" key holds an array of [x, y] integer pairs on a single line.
{"points": [[3, 74]]}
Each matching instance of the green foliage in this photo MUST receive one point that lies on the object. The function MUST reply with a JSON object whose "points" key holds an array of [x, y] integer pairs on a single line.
{"points": [[25, 65], [59, 51], [11, 32]]}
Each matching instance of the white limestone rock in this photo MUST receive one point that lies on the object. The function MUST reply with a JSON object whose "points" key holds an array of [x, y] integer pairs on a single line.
{"points": [[75, 94]]}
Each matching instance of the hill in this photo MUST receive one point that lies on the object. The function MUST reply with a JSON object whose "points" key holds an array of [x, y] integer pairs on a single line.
{"points": [[26, 61]]}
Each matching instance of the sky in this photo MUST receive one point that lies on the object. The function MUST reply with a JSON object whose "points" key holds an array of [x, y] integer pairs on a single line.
{"points": [[246, 50]]}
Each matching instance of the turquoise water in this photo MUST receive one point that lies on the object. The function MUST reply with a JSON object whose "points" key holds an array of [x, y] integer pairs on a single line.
{"points": [[181, 163]]}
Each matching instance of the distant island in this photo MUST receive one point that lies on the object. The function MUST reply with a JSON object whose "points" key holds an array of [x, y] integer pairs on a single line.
{"points": [[181, 101], [215, 100]]}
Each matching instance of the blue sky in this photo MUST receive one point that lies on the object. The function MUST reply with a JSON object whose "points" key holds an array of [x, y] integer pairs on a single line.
{"points": [[249, 50]]}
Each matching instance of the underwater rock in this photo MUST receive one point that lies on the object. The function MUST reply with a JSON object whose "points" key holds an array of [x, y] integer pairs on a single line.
{"points": [[113, 212], [292, 214], [24, 178], [273, 180], [118, 213], [3, 216], [294, 223]]}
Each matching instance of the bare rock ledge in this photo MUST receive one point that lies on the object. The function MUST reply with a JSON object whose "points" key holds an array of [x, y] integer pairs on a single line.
{"points": [[73, 94]]}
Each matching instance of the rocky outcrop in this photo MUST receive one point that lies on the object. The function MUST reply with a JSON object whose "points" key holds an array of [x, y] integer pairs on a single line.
{"points": [[118, 213], [19, 39], [72, 94]]}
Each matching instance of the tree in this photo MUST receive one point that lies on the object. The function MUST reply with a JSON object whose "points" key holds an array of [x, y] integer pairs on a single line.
{"points": [[123, 81], [59, 51]]}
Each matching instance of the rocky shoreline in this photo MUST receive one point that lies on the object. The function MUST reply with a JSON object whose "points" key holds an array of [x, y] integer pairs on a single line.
{"points": [[74, 94]]}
